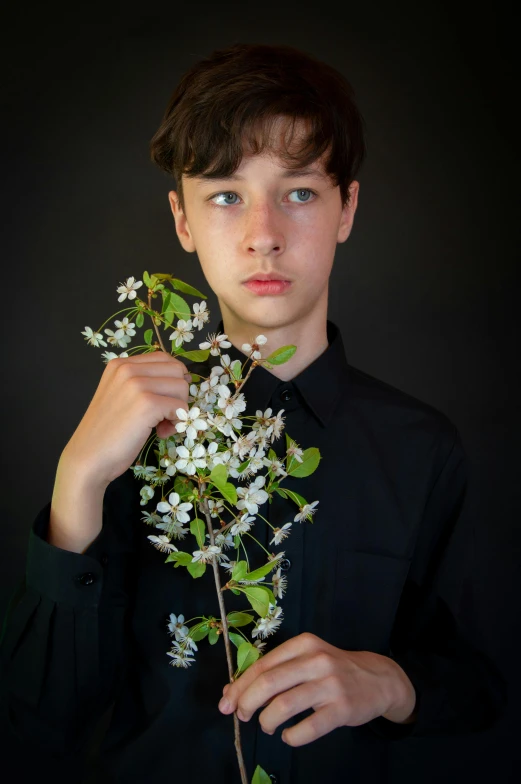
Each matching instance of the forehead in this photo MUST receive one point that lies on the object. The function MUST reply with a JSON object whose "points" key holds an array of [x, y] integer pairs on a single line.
{"points": [[278, 142]]}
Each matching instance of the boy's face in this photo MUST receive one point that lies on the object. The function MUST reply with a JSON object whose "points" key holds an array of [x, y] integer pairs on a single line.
{"points": [[266, 221]]}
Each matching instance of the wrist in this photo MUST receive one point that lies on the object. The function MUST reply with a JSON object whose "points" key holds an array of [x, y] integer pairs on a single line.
{"points": [[402, 708]]}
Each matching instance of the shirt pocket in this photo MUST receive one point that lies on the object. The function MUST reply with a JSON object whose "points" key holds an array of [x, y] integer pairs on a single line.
{"points": [[368, 587]]}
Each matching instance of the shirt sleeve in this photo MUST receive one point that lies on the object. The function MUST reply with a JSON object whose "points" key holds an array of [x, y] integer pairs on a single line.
{"points": [[458, 688], [62, 648]]}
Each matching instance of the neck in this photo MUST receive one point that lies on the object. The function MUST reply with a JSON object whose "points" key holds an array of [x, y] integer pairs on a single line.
{"points": [[309, 334]]}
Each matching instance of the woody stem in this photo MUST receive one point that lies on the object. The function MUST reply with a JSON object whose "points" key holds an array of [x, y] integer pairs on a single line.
{"points": [[222, 609]]}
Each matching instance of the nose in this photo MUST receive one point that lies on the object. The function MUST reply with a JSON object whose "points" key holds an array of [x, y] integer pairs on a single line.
{"points": [[263, 232]]}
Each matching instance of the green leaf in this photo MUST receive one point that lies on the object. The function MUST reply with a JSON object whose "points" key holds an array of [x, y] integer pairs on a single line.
{"points": [[197, 569], [213, 636], [281, 492], [310, 461], [262, 571], [149, 334], [236, 369], [166, 299], [246, 655], [183, 487], [186, 288], [237, 541], [199, 633], [140, 320], [239, 618], [281, 355], [298, 499], [218, 476], [162, 276], [239, 570], [198, 528], [235, 591], [258, 598], [243, 466], [182, 558], [147, 280], [177, 308], [260, 776], [237, 639], [197, 355]]}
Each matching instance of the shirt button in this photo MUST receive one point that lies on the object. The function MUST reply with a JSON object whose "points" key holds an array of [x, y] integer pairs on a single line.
{"points": [[86, 579], [274, 778], [286, 395], [285, 564]]}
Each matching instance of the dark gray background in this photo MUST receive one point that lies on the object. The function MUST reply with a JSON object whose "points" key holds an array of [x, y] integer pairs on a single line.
{"points": [[423, 290]]}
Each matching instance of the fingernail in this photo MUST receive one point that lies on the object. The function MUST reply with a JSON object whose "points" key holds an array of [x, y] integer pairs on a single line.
{"points": [[224, 706]]}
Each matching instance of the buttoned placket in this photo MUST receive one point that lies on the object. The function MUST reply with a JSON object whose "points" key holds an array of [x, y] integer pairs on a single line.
{"points": [[272, 753]]}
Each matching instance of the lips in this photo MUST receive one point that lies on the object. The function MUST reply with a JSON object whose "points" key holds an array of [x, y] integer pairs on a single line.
{"points": [[266, 276], [269, 287]]}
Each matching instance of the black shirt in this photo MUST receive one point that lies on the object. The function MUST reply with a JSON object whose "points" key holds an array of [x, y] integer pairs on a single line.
{"points": [[88, 631]]}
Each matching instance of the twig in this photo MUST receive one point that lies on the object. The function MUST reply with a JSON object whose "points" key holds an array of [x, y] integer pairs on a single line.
{"points": [[222, 609]]}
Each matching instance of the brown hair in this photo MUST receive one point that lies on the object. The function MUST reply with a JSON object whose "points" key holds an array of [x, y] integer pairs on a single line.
{"points": [[235, 96]]}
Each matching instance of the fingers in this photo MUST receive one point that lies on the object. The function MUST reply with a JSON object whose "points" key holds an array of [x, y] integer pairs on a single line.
{"points": [[275, 681], [291, 703], [304, 643], [315, 726]]}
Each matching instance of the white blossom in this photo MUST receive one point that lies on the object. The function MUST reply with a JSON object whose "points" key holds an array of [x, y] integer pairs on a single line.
{"points": [[215, 343], [201, 315], [176, 626], [151, 518], [275, 466], [128, 289], [208, 554], [182, 332], [216, 507], [243, 525], [191, 422], [191, 458], [252, 496], [173, 508], [266, 626], [281, 533], [231, 407], [181, 657], [295, 451], [93, 338], [125, 326], [253, 347], [146, 494], [117, 338], [307, 509], [279, 584], [175, 529], [108, 355], [162, 543]]}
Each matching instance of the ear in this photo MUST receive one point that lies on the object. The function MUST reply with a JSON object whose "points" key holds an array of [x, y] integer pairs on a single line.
{"points": [[348, 213], [181, 223]]}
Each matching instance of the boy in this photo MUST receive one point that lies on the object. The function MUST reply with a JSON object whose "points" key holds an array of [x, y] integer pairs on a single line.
{"points": [[264, 143]]}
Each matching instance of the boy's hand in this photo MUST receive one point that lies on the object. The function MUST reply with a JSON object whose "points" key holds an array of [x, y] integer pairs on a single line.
{"points": [[135, 395], [342, 687]]}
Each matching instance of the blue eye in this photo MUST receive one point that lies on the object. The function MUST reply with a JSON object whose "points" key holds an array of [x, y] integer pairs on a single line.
{"points": [[232, 194]]}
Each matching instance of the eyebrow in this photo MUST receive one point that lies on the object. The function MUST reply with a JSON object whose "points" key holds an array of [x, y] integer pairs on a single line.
{"points": [[288, 173]]}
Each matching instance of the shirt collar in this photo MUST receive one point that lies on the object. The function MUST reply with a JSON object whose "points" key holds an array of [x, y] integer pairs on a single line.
{"points": [[321, 384]]}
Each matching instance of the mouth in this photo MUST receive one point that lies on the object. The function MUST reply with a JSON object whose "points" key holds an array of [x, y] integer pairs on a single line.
{"points": [[269, 287]]}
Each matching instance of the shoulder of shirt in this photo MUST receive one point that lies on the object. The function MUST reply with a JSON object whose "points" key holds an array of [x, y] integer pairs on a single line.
{"points": [[395, 406]]}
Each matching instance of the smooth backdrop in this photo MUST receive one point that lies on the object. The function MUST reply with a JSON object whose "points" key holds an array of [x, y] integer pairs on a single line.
{"points": [[423, 291]]}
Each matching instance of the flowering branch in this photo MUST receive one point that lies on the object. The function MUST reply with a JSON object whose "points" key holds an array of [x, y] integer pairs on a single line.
{"points": [[208, 447]]}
